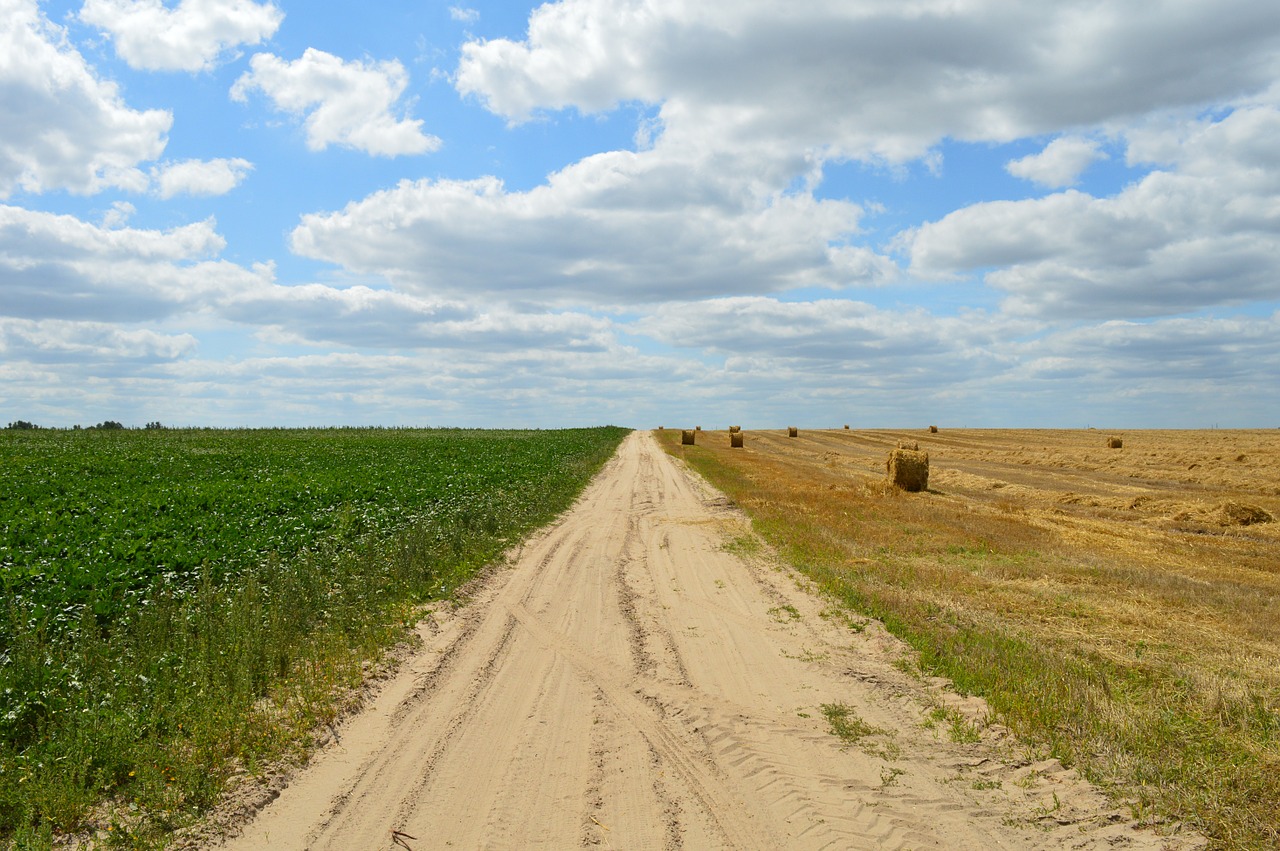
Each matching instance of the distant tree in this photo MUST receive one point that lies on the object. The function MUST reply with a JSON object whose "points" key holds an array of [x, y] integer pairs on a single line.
{"points": [[21, 424], [154, 426], [108, 425]]}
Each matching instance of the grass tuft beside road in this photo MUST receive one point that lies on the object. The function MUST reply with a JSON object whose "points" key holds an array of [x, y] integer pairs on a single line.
{"points": [[1140, 646]]}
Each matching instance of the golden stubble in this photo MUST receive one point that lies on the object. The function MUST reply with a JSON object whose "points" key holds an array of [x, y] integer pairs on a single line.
{"points": [[1133, 557]]}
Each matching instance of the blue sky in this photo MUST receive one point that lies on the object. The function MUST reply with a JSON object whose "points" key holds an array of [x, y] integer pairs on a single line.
{"points": [[975, 213]]}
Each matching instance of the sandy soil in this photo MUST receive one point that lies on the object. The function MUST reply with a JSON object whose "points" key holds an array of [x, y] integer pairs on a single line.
{"points": [[633, 681]]}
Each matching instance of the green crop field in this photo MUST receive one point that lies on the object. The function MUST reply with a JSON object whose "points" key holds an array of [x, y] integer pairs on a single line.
{"points": [[180, 604]]}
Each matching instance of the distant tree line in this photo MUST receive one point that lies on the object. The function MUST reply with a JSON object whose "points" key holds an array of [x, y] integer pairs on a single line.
{"points": [[105, 425]]}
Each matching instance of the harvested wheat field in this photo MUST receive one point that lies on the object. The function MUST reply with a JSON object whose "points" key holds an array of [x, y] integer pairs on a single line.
{"points": [[646, 675], [1118, 608]]}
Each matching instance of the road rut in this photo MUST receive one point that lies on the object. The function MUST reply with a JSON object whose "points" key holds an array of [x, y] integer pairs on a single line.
{"points": [[633, 680]]}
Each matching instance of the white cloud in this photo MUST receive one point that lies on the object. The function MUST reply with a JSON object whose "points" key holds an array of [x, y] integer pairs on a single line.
{"points": [[364, 318], [192, 36], [56, 341], [1060, 164], [60, 126], [613, 228], [199, 177], [463, 14], [346, 103], [118, 215], [843, 354], [879, 80], [1205, 233], [59, 267]]}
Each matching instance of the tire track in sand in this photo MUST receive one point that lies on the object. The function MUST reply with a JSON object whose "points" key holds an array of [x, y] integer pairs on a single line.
{"points": [[629, 683]]}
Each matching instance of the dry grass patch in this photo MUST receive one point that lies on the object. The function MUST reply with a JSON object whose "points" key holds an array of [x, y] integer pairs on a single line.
{"points": [[1054, 578]]}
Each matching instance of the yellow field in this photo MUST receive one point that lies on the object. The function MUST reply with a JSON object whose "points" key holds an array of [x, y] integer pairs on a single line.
{"points": [[1121, 606]]}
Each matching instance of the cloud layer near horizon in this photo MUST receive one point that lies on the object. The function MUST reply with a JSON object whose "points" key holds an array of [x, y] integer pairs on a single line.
{"points": [[723, 263]]}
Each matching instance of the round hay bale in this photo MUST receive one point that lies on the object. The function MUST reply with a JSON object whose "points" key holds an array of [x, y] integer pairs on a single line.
{"points": [[697, 428], [735, 440], [908, 470], [1115, 443], [909, 444], [933, 429], [846, 426], [686, 437], [792, 431], [734, 429], [1238, 514]]}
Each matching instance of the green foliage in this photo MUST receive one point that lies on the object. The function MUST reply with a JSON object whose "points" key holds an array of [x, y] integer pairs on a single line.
{"points": [[179, 601], [847, 724]]}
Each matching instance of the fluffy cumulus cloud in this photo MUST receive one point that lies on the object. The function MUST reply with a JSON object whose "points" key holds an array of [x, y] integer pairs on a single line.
{"points": [[709, 206], [59, 271], [1204, 232], [58, 267], [871, 79], [199, 177], [1060, 163], [349, 104], [613, 228], [191, 36], [61, 126]]}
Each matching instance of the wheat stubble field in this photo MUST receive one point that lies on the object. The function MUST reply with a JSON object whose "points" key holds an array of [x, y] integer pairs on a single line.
{"points": [[644, 674], [1116, 607]]}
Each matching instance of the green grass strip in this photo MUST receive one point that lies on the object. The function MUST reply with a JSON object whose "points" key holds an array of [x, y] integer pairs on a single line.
{"points": [[229, 592]]}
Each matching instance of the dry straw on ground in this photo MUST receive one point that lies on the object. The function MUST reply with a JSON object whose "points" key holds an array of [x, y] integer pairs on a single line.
{"points": [[735, 440], [686, 437], [792, 431], [1046, 573], [908, 469], [1239, 514], [913, 445]]}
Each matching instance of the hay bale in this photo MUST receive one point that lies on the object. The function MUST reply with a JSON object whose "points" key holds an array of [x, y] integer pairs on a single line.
{"points": [[909, 445], [659, 428], [697, 428], [933, 429], [1238, 514], [686, 437], [846, 426], [1115, 443], [792, 431], [908, 469], [735, 440], [734, 429]]}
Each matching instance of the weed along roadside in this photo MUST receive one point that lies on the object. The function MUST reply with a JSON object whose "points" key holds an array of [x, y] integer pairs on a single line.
{"points": [[1112, 607], [187, 606]]}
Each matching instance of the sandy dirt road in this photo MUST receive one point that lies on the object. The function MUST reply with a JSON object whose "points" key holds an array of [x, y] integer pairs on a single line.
{"points": [[632, 681]]}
